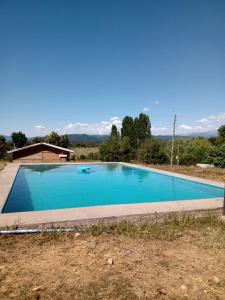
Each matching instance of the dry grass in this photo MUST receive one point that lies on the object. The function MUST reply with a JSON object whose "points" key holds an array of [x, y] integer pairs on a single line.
{"points": [[78, 151], [176, 259], [209, 173], [2, 164]]}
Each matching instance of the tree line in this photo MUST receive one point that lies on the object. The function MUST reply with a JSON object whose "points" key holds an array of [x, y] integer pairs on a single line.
{"points": [[135, 142], [19, 139]]}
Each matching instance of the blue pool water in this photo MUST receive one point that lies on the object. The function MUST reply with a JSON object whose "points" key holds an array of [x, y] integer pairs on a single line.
{"points": [[46, 187]]}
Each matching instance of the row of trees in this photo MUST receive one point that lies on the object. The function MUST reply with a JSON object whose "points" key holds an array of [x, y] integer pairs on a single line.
{"points": [[19, 139], [136, 142]]}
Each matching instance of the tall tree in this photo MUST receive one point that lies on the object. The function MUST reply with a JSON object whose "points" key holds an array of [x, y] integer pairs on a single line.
{"points": [[114, 133], [221, 131], [142, 128], [64, 141], [53, 138], [19, 139], [37, 139], [126, 152], [128, 130], [109, 150]]}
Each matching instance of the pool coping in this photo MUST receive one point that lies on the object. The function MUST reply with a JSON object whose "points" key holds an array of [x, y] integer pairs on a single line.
{"points": [[8, 175]]}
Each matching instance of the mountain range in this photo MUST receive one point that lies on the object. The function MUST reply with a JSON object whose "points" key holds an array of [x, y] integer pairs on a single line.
{"points": [[97, 139]]}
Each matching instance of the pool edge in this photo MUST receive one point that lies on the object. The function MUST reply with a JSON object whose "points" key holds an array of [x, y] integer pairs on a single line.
{"points": [[100, 212]]}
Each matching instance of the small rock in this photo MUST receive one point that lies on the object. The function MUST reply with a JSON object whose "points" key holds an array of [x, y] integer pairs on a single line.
{"points": [[110, 261], [161, 291], [183, 287], [77, 234], [216, 279]]}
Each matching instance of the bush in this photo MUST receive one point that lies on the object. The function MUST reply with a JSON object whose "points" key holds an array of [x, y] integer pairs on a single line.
{"points": [[73, 157], [109, 151], [93, 156], [126, 152], [150, 152], [190, 151], [217, 156], [83, 157], [188, 159]]}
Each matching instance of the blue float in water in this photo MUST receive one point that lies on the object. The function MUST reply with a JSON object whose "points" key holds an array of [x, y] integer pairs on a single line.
{"points": [[84, 169]]}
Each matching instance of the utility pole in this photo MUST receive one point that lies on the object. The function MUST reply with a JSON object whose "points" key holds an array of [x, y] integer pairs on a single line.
{"points": [[173, 139]]}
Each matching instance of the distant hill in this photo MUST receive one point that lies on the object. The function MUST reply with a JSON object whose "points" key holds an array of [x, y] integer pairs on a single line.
{"points": [[97, 139], [86, 138], [206, 134], [168, 137]]}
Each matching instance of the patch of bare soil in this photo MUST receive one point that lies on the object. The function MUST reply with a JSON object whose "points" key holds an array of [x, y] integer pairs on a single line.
{"points": [[217, 174], [175, 261], [2, 165]]}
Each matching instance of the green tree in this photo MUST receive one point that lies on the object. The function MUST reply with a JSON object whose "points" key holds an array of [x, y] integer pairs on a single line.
{"points": [[217, 156], [142, 128], [19, 139], [53, 138], [128, 130], [37, 139], [114, 133], [150, 152], [125, 149], [64, 141], [3, 146], [190, 151], [221, 131], [221, 135], [109, 150]]}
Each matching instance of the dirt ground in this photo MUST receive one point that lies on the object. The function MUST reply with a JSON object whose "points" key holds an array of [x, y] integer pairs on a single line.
{"points": [[2, 165], [209, 173], [173, 260]]}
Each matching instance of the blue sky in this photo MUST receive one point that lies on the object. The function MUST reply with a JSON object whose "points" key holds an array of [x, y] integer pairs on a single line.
{"points": [[79, 66]]}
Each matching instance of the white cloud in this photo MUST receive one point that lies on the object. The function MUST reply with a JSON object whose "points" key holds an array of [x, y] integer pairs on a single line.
{"points": [[145, 109], [114, 118], [40, 127], [156, 102], [185, 127], [219, 118], [103, 127], [161, 130]]}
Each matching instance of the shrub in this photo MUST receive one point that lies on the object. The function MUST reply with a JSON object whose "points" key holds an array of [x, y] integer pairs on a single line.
{"points": [[93, 156], [150, 152], [126, 152], [73, 157], [217, 156], [83, 157]]}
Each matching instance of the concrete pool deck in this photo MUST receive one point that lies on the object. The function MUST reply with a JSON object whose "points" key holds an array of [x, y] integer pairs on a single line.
{"points": [[8, 175]]}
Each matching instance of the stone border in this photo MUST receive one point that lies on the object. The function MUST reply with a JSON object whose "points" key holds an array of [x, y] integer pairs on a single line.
{"points": [[178, 175], [7, 177]]}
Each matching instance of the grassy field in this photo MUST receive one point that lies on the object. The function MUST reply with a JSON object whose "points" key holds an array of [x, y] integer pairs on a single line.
{"points": [[78, 151], [176, 259], [210, 173]]}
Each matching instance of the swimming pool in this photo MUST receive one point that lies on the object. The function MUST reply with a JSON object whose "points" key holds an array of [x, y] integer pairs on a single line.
{"points": [[50, 187]]}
